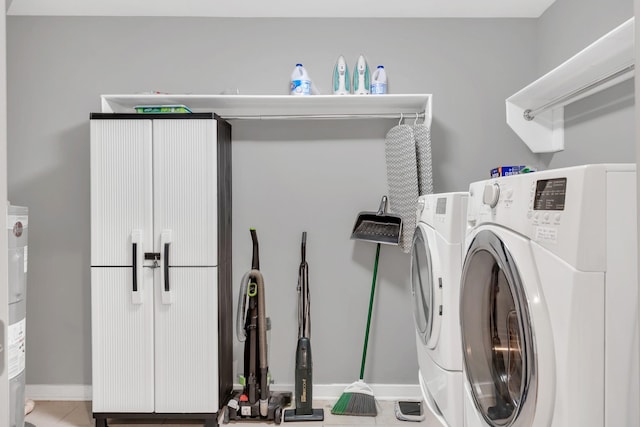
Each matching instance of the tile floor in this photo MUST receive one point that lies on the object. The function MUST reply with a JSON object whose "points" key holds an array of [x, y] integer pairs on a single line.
{"points": [[78, 414]]}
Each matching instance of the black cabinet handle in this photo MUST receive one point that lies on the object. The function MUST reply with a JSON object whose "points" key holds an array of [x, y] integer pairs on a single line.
{"points": [[135, 267], [166, 267], [165, 288], [137, 264]]}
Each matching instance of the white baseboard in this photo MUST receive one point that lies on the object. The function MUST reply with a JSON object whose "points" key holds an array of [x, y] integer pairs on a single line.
{"points": [[380, 391], [58, 392], [320, 391]]}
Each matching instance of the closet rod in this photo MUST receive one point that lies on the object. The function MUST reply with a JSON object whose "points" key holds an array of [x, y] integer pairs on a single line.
{"points": [[406, 116], [531, 113]]}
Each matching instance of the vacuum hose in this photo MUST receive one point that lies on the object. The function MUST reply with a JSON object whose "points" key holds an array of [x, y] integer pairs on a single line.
{"points": [[241, 334], [262, 343]]}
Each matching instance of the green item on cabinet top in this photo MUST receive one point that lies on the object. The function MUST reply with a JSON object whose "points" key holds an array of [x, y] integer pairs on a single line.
{"points": [[154, 109]]}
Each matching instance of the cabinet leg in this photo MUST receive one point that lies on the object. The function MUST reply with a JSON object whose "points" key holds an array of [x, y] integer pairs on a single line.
{"points": [[101, 422], [211, 422]]}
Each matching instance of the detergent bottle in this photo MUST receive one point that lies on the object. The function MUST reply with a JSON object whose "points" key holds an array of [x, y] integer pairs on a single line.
{"points": [[379, 81], [300, 81]]}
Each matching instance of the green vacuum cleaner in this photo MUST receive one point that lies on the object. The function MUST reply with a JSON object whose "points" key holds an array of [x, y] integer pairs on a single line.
{"points": [[304, 379]]}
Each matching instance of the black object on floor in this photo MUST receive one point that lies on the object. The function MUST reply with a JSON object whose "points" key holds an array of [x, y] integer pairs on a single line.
{"points": [[304, 367]]}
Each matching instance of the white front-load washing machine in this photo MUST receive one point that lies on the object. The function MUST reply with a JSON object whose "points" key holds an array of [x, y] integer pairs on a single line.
{"points": [[436, 264], [548, 302]]}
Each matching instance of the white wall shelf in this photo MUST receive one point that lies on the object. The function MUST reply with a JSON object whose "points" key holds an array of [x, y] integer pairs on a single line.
{"points": [[536, 113], [266, 107], [283, 8]]}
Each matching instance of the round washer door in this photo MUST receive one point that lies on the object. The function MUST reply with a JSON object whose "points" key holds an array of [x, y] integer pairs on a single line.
{"points": [[425, 288], [497, 338]]}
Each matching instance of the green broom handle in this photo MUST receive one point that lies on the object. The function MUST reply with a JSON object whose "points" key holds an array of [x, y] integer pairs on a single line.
{"points": [[373, 290]]}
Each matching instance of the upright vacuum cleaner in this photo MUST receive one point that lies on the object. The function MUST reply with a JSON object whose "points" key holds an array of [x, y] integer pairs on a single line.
{"points": [[304, 385], [254, 402]]}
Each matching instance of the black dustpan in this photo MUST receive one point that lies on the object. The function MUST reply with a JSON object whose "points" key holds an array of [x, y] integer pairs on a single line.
{"points": [[378, 227]]}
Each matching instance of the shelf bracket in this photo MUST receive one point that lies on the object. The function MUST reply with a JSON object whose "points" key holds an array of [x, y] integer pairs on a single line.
{"points": [[536, 113]]}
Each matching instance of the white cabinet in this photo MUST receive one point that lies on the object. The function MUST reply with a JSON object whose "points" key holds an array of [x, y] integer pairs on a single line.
{"points": [[160, 264]]}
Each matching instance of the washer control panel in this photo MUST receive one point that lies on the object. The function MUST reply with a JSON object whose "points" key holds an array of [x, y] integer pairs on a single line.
{"points": [[530, 203], [547, 201], [567, 211]]}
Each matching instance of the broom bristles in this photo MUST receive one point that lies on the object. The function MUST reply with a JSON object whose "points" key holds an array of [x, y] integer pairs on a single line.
{"points": [[358, 402]]}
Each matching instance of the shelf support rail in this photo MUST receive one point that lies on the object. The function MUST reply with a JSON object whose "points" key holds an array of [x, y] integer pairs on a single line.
{"points": [[406, 116], [531, 113]]}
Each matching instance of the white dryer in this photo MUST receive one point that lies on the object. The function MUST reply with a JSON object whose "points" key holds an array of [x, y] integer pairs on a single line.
{"points": [[548, 303], [436, 264]]}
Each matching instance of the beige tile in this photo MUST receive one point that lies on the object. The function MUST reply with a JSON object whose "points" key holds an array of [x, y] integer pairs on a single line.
{"points": [[80, 416], [389, 417], [183, 423], [342, 425], [50, 412], [342, 420], [396, 423]]}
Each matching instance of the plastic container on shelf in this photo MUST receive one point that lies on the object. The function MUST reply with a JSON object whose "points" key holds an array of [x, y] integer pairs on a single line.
{"points": [[379, 81], [300, 81], [156, 109]]}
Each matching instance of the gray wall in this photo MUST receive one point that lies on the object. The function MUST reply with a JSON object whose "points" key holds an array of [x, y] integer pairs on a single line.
{"points": [[288, 176], [599, 128]]}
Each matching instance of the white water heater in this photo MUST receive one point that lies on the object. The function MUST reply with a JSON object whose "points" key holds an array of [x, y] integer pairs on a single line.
{"points": [[17, 231]]}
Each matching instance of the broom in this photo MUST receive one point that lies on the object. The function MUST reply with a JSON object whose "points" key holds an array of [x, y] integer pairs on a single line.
{"points": [[358, 398]]}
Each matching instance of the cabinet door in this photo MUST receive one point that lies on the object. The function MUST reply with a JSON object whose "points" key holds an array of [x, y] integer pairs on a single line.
{"points": [[121, 190], [185, 190], [186, 342], [122, 341], [121, 308]]}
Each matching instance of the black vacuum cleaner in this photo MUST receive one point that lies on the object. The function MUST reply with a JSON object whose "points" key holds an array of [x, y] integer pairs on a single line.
{"points": [[304, 385], [254, 402]]}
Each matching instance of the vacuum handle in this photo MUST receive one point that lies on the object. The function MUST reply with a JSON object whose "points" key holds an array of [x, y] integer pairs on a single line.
{"points": [[255, 260], [303, 246], [137, 259]]}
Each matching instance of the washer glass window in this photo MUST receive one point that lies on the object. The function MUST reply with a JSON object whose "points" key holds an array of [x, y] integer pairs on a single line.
{"points": [[496, 333], [422, 285]]}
